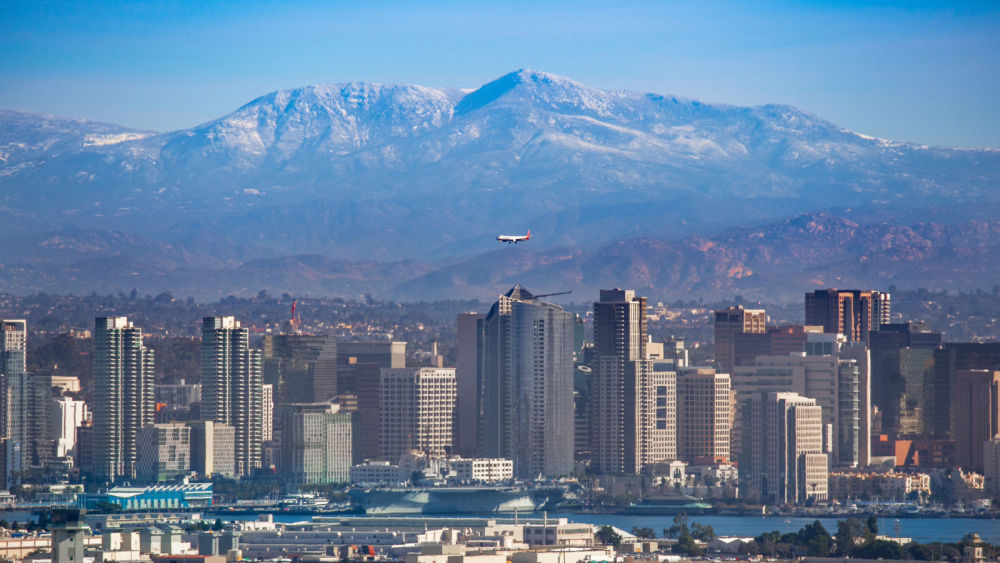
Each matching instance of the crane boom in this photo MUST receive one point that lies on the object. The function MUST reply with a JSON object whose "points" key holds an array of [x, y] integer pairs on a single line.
{"points": [[552, 294]]}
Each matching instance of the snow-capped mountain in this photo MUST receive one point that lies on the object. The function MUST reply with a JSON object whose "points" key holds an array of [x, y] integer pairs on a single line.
{"points": [[364, 171]]}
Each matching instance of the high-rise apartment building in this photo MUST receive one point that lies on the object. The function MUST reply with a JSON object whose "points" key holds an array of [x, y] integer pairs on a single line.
{"points": [[640, 428], [732, 322], [317, 442], [301, 368], [850, 312], [123, 396], [704, 411], [525, 374], [619, 338], [267, 413], [416, 411], [977, 415], [467, 426], [782, 457], [620, 325], [232, 384], [15, 392]]}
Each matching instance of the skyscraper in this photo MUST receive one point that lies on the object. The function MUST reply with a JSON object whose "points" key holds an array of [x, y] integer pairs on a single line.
{"points": [[729, 323], [619, 338], [904, 379], [782, 456], [977, 415], [832, 372], [123, 396], [301, 368], [417, 411], [704, 411], [850, 312], [525, 375], [620, 325], [467, 428], [232, 387], [15, 392], [317, 443]]}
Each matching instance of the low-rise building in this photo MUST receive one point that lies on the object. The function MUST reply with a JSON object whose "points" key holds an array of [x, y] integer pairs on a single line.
{"points": [[871, 484], [487, 470], [159, 497], [559, 532]]}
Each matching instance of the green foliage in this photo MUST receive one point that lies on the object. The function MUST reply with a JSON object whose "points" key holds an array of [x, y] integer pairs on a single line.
{"points": [[219, 526], [873, 524], [882, 549], [852, 535], [606, 535], [680, 527], [702, 533], [643, 533], [103, 506], [686, 544]]}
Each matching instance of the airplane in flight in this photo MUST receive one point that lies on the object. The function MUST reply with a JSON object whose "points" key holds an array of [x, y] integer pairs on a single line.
{"points": [[513, 238]]}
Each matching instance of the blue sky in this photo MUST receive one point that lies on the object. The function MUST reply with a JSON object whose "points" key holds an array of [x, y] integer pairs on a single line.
{"points": [[925, 72]]}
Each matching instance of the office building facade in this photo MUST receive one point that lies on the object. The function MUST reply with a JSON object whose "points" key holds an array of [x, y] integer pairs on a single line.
{"points": [[232, 387], [164, 452], [907, 385], [123, 396], [416, 411], [782, 457], [728, 323], [301, 368], [850, 312], [704, 413], [977, 415], [317, 443], [835, 374], [467, 427], [213, 449], [525, 375]]}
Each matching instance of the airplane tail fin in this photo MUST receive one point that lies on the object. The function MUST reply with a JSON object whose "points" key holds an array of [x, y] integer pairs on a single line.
{"points": [[529, 233]]}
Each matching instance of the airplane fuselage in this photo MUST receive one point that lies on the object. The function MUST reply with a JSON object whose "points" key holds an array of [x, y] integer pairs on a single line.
{"points": [[513, 238]]}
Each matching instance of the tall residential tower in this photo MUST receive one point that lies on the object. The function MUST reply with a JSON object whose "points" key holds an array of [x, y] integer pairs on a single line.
{"points": [[525, 376], [232, 387], [123, 396]]}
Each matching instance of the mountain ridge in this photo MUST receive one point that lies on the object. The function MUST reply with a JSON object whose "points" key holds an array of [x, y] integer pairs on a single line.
{"points": [[360, 170]]}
